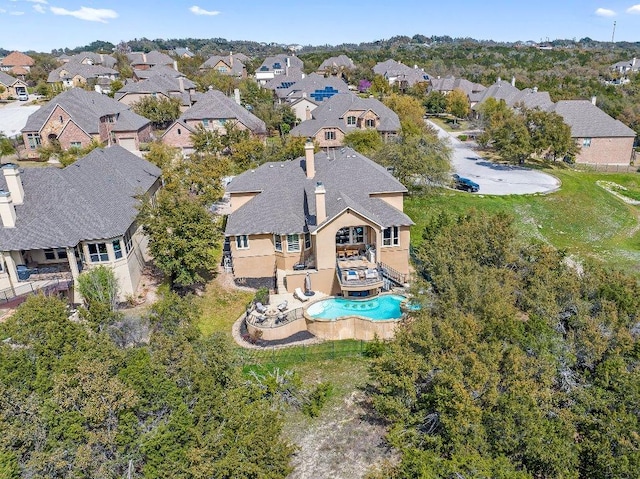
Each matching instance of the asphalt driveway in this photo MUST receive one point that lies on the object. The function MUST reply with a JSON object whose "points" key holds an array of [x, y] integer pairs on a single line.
{"points": [[13, 116], [493, 178]]}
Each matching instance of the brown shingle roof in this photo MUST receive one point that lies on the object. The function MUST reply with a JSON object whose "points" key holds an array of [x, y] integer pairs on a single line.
{"points": [[17, 59]]}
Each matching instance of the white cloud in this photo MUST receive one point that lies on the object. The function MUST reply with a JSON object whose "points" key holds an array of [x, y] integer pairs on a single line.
{"points": [[39, 8], [86, 13], [634, 9], [16, 13], [201, 11], [43, 2], [605, 12]]}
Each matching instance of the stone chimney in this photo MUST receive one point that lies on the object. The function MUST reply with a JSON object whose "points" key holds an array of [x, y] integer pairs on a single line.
{"points": [[321, 208], [231, 59], [236, 95], [144, 57], [513, 81], [309, 159], [593, 100], [7, 210], [288, 60], [175, 65], [307, 113], [14, 182], [181, 83]]}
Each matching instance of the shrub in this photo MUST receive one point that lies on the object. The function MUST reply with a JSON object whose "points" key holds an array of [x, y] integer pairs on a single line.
{"points": [[262, 296], [317, 399], [463, 137]]}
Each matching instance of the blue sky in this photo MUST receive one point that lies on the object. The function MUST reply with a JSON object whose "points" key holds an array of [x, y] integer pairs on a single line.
{"points": [[45, 24]]}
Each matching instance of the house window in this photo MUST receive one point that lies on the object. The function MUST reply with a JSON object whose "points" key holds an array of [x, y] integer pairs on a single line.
{"points": [[307, 240], [76, 144], [179, 131], [61, 253], [49, 254], [98, 252], [293, 243], [205, 122], [329, 135], [242, 242], [34, 140], [586, 142], [61, 119], [342, 236], [357, 234], [391, 236], [351, 120], [370, 123], [117, 248], [128, 238], [277, 241]]}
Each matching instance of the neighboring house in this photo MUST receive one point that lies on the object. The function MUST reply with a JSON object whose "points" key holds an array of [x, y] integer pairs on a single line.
{"points": [[625, 67], [76, 117], [74, 74], [335, 66], [90, 58], [144, 61], [157, 86], [11, 87], [303, 108], [231, 64], [318, 214], [602, 139], [17, 63], [512, 96], [277, 65], [182, 52], [447, 84], [399, 74], [139, 75], [59, 222], [313, 86], [285, 80], [213, 111], [346, 112]]}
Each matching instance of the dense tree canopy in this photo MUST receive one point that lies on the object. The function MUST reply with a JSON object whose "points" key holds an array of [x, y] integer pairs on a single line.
{"points": [[520, 365], [161, 111]]}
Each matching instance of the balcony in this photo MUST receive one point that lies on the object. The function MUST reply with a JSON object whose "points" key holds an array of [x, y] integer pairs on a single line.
{"points": [[358, 275], [44, 272]]}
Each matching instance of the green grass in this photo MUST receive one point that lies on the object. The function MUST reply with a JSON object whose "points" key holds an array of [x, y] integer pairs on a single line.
{"points": [[297, 355], [446, 124], [221, 307], [581, 217]]}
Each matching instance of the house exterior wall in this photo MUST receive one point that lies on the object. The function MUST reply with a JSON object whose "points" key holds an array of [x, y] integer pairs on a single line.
{"points": [[394, 199], [11, 90], [606, 151], [324, 143], [178, 136], [141, 136], [300, 109], [257, 261], [54, 124], [238, 200], [72, 133]]}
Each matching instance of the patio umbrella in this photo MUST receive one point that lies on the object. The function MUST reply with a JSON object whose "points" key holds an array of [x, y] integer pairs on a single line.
{"points": [[307, 285]]}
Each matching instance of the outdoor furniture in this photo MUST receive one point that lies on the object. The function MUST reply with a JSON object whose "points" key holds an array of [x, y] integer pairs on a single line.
{"points": [[281, 318], [352, 275], [371, 274], [283, 306], [23, 272], [261, 319], [261, 308], [298, 293]]}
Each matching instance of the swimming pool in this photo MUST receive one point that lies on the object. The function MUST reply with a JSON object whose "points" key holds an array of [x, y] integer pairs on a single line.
{"points": [[381, 308]]}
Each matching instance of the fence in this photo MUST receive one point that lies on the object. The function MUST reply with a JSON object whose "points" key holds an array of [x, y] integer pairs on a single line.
{"points": [[297, 354], [20, 292], [606, 168]]}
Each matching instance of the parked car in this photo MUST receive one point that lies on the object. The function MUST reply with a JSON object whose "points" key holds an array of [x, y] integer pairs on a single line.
{"points": [[23, 96], [465, 184]]}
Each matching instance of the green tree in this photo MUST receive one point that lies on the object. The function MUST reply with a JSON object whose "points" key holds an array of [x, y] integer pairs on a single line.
{"points": [[458, 103], [550, 135], [379, 86], [161, 111], [367, 142], [435, 102], [409, 109], [182, 237], [6, 146], [115, 86], [512, 140]]}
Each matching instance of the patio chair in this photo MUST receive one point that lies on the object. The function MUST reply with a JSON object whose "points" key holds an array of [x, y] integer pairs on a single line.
{"points": [[352, 275], [298, 293], [283, 306], [261, 308], [281, 318], [261, 319], [371, 274]]}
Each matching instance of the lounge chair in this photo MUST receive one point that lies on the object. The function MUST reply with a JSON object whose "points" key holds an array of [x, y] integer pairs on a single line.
{"points": [[352, 275], [298, 293], [261, 308], [283, 306], [261, 319], [371, 274]]}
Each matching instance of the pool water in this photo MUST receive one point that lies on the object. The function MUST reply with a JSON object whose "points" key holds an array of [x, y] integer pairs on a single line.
{"points": [[379, 308]]}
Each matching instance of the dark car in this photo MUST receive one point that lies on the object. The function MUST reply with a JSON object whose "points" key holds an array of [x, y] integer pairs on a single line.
{"points": [[465, 184]]}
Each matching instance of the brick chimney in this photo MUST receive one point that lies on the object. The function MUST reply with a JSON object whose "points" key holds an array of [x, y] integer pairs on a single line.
{"points": [[309, 159], [321, 208], [7, 210], [14, 182]]}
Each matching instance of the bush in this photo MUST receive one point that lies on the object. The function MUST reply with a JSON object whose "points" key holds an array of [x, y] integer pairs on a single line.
{"points": [[262, 296], [463, 137], [317, 399]]}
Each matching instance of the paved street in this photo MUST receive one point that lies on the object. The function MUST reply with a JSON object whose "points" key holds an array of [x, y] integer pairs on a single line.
{"points": [[496, 179], [13, 116]]}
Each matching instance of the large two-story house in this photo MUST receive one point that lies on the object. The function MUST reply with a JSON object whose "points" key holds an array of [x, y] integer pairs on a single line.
{"points": [[337, 216], [346, 112], [271, 67], [76, 117], [58, 222], [232, 64]]}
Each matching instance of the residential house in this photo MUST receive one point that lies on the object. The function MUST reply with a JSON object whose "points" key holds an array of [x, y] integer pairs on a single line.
{"points": [[182, 52], [232, 65], [446, 85], [158, 86], [76, 117], [59, 222], [144, 61], [335, 66], [90, 58], [74, 74], [602, 139], [212, 110], [139, 75], [626, 66], [302, 108], [313, 86], [399, 74], [512, 96], [346, 112], [271, 67], [17, 63], [11, 87], [338, 217]]}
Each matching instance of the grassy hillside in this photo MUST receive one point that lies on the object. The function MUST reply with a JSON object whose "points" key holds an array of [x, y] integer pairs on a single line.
{"points": [[582, 217]]}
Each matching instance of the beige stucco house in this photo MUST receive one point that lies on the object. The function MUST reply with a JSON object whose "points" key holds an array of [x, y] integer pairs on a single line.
{"points": [[59, 222], [336, 216]]}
